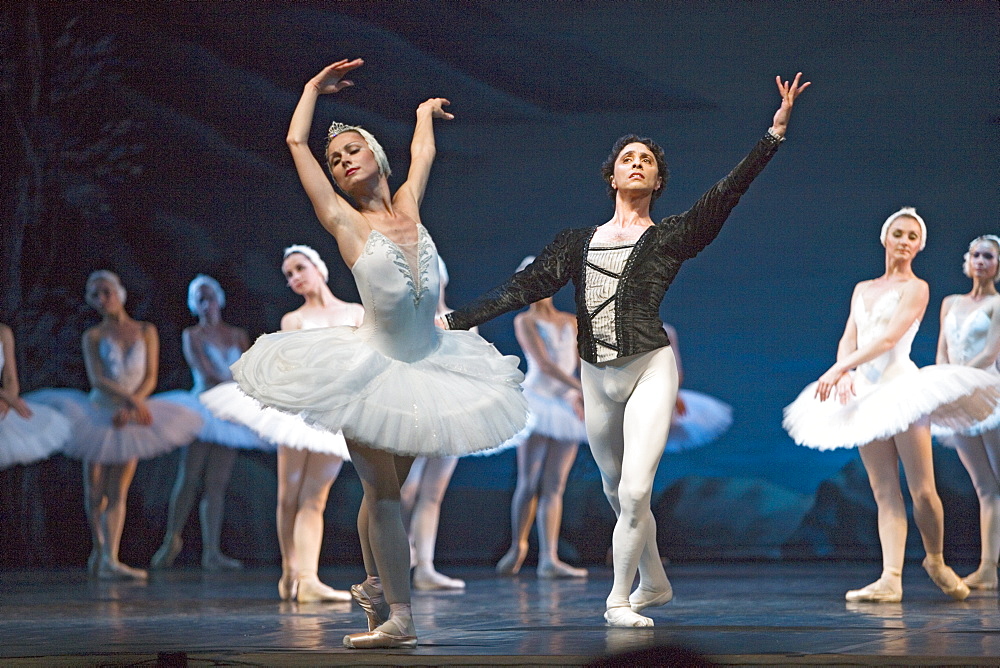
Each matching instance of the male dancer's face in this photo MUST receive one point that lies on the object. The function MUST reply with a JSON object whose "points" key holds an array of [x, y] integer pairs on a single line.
{"points": [[635, 169]]}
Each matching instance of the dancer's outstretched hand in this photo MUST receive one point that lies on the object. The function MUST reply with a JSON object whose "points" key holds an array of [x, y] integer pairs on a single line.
{"points": [[788, 91], [436, 106], [331, 78]]}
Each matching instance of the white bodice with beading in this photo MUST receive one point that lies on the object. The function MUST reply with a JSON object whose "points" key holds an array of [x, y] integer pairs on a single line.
{"points": [[966, 337]]}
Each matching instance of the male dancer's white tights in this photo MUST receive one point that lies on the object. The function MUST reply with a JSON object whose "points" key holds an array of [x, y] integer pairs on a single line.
{"points": [[628, 403]]}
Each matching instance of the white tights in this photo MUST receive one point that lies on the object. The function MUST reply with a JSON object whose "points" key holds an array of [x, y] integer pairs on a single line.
{"points": [[628, 404], [981, 457]]}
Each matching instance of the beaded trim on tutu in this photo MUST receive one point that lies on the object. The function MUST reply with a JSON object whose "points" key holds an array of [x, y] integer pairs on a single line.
{"points": [[215, 430], [462, 397], [29, 440], [95, 439], [706, 419], [953, 397], [228, 402]]}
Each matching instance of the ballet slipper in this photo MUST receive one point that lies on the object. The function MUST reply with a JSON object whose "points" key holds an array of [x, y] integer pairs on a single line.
{"points": [[887, 589], [558, 569], [311, 590], [287, 587], [374, 605], [116, 571], [390, 635], [984, 577], [643, 598], [510, 563], [623, 616], [431, 580], [220, 562], [165, 556], [946, 579]]}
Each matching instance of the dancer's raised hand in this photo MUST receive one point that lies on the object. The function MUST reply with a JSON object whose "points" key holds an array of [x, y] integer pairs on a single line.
{"points": [[331, 78], [789, 91]]}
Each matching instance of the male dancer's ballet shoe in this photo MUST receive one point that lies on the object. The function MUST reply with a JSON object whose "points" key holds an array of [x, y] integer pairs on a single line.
{"points": [[434, 581], [165, 556], [946, 579], [220, 562], [375, 607], [642, 598], [559, 570], [311, 590], [623, 616], [510, 563], [883, 590], [984, 577], [119, 572]]}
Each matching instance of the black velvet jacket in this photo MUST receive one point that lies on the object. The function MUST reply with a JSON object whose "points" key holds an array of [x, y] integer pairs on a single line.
{"points": [[649, 271]]}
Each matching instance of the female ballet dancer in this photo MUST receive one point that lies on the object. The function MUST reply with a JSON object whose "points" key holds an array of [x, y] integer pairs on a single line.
{"points": [[207, 464], [117, 424], [29, 431], [309, 459], [877, 400], [548, 338], [397, 385], [620, 271], [970, 335]]}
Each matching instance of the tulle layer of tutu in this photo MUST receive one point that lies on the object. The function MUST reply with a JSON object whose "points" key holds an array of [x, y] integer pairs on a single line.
{"points": [[95, 439], [706, 419], [214, 430], [30, 440], [954, 398], [461, 398], [227, 401], [554, 417]]}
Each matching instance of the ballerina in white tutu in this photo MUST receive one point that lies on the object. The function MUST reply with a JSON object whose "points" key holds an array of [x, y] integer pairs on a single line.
{"points": [[207, 464], [544, 458], [876, 399], [970, 335], [29, 431], [397, 385], [117, 424]]}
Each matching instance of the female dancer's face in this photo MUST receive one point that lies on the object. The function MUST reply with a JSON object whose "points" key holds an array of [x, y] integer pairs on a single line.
{"points": [[984, 261], [351, 160], [102, 295], [302, 275], [902, 241], [207, 303], [635, 169]]}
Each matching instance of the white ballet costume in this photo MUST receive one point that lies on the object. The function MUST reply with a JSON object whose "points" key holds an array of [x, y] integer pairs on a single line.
{"points": [[94, 438], [397, 383], [215, 430], [891, 392], [966, 339], [29, 440], [551, 414], [706, 419]]}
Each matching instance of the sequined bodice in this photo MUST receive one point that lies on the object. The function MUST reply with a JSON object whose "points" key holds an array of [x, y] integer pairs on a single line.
{"points": [[220, 360], [871, 324], [560, 344], [123, 365], [399, 286], [967, 337]]}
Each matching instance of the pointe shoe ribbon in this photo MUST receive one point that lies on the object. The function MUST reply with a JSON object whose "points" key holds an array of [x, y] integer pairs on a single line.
{"points": [[947, 580], [379, 640], [375, 619]]}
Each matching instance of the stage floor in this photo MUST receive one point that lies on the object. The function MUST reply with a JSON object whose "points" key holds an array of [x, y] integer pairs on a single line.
{"points": [[734, 614]]}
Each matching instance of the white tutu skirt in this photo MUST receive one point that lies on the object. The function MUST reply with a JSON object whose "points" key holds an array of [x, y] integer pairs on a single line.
{"points": [[95, 439], [554, 417], [214, 430], [706, 419], [30, 440], [226, 401], [462, 397], [954, 398]]}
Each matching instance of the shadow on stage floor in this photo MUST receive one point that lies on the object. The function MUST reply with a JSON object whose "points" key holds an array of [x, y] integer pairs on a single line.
{"points": [[733, 614]]}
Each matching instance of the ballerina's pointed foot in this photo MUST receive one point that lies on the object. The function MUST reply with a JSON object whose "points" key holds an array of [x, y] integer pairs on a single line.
{"points": [[431, 580], [946, 580], [311, 590], [643, 598], [984, 577], [393, 634], [116, 571], [220, 562], [373, 603], [165, 556], [559, 569], [624, 616], [510, 563], [883, 590]]}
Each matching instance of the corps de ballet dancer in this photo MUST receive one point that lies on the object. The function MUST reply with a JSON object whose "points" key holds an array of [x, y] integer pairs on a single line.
{"points": [[398, 386], [546, 453], [874, 398], [309, 459], [117, 424], [29, 431], [206, 465], [621, 271], [970, 335]]}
